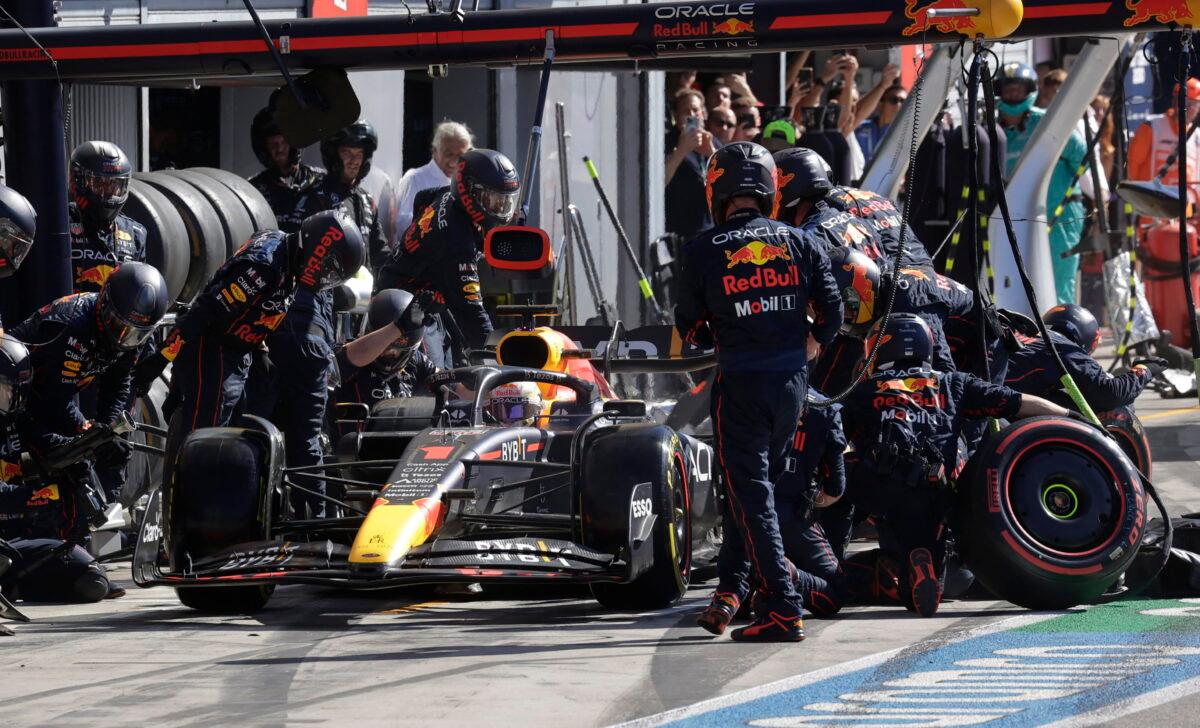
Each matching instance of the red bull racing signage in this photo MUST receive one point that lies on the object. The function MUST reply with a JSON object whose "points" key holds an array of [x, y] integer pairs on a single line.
{"points": [[1181, 12], [709, 25]]}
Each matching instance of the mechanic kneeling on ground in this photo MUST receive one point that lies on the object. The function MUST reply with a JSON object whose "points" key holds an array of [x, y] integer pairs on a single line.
{"points": [[442, 247], [245, 301], [1076, 333], [385, 362], [89, 339], [906, 422], [745, 287], [40, 569]]}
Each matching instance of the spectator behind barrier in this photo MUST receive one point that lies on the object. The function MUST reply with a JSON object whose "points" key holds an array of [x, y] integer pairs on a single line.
{"points": [[690, 147], [451, 140]]}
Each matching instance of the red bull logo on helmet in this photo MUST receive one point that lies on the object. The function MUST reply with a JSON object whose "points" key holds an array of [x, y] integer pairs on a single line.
{"points": [[923, 23], [312, 268], [1183, 12], [714, 173], [756, 252]]}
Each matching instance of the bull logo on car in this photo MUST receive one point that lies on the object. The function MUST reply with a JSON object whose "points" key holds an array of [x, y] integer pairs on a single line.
{"points": [[1162, 12], [757, 253], [922, 22], [733, 26]]}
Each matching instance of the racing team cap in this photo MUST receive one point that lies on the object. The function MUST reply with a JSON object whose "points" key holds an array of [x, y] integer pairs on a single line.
{"points": [[785, 130]]}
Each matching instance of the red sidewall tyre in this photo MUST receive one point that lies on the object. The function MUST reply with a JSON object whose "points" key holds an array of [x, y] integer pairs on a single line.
{"points": [[1051, 513]]}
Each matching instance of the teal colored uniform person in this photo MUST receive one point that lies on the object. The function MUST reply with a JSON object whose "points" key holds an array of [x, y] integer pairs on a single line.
{"points": [[1019, 117]]}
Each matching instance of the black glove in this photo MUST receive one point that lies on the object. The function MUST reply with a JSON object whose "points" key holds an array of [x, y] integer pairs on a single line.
{"points": [[1155, 365], [146, 371], [115, 454], [420, 312]]}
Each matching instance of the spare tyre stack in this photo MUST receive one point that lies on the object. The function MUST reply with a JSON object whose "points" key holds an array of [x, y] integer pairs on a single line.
{"points": [[167, 244], [206, 237], [256, 205], [236, 224]]}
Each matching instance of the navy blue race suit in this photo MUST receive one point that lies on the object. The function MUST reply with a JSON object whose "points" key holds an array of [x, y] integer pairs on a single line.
{"points": [[880, 215], [817, 450], [1032, 369], [210, 346], [745, 287], [906, 426], [287, 195], [369, 385], [96, 251], [441, 251]]}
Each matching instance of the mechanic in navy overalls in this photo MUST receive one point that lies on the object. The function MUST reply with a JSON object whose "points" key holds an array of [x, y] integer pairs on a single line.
{"points": [[284, 180], [246, 300], [18, 225], [906, 422], [71, 576], [746, 286], [101, 237]]}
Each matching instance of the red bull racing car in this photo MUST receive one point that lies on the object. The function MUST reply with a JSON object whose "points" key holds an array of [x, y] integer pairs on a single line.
{"points": [[430, 492]]}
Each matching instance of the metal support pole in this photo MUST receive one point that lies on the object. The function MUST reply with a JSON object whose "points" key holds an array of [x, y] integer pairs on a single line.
{"points": [[36, 166]]}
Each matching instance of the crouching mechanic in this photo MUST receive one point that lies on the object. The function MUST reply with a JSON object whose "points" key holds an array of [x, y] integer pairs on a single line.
{"points": [[1075, 333], [906, 422], [386, 362], [441, 249], [246, 299], [89, 339], [39, 569], [745, 288]]}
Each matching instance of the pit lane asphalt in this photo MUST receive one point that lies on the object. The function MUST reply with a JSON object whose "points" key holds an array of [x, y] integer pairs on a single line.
{"points": [[404, 658]]}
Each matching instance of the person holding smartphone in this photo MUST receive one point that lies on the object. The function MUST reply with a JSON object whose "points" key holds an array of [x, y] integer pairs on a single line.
{"points": [[690, 146]]}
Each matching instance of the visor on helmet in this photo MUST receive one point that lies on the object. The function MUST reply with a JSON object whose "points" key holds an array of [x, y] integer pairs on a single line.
{"points": [[109, 190], [13, 393], [513, 410], [500, 204], [123, 334], [14, 246]]}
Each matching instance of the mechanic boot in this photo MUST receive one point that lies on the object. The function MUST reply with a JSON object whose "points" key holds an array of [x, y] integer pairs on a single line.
{"points": [[772, 625], [926, 591], [719, 612]]}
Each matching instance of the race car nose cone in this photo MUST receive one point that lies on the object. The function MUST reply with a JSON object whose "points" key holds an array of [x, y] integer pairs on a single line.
{"points": [[391, 529]]}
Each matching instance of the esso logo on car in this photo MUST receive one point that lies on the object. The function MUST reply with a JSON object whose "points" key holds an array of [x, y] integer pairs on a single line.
{"points": [[703, 11], [643, 507]]}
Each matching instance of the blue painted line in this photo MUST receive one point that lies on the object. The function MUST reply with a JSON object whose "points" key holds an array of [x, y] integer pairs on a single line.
{"points": [[1025, 678]]}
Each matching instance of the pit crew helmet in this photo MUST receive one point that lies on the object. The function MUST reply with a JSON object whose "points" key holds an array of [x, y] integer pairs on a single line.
{"points": [[18, 224], [262, 127], [383, 310], [860, 283], [15, 376], [740, 169], [331, 250], [1076, 323], [487, 187], [803, 175], [361, 134], [130, 304], [515, 403], [100, 174], [907, 341]]}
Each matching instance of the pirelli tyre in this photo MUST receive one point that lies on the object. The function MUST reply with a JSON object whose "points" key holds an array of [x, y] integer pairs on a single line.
{"points": [[634, 502], [235, 219], [256, 205], [1127, 430], [206, 237], [144, 471], [1050, 514], [167, 246], [218, 499]]}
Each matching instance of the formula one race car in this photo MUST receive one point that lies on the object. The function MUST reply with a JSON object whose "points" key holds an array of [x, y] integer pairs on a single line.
{"points": [[594, 493]]}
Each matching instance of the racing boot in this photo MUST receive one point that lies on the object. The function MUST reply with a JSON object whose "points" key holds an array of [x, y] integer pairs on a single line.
{"points": [[776, 621], [925, 589], [719, 612]]}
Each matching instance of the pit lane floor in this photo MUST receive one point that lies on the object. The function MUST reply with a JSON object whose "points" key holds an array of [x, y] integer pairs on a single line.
{"points": [[316, 656]]}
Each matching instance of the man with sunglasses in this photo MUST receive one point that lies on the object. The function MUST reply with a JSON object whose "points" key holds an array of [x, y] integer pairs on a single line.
{"points": [[101, 237], [870, 133], [722, 123]]}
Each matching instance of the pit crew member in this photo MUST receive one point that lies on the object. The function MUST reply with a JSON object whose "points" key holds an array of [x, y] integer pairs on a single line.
{"points": [[101, 237], [284, 180]]}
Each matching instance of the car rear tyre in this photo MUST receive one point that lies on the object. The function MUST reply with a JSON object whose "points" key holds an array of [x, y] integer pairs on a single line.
{"points": [[616, 462], [1051, 513]]}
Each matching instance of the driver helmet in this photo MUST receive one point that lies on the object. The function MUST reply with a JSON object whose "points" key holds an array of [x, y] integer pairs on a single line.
{"points": [[100, 174], [516, 403]]}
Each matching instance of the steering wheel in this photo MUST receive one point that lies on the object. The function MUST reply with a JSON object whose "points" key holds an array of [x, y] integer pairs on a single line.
{"points": [[483, 379]]}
